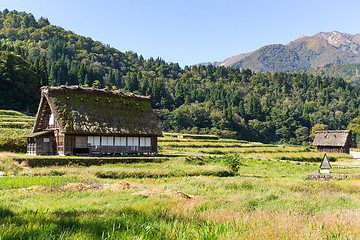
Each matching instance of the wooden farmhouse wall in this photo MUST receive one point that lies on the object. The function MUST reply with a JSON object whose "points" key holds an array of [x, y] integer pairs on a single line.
{"points": [[326, 149], [95, 144]]}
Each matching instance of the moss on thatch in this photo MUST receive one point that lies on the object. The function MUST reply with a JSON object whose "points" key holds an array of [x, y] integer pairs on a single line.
{"points": [[332, 138], [80, 110]]}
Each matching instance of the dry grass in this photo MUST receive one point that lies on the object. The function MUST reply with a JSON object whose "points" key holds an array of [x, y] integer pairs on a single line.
{"points": [[119, 186], [9, 166], [284, 225]]}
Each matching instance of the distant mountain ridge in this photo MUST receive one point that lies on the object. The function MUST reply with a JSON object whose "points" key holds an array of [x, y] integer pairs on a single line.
{"points": [[305, 52]]}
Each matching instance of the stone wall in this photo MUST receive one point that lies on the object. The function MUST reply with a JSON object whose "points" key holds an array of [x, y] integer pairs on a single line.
{"points": [[316, 176]]}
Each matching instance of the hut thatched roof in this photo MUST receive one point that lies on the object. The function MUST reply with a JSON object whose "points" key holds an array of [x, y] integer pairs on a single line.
{"points": [[334, 138], [81, 110]]}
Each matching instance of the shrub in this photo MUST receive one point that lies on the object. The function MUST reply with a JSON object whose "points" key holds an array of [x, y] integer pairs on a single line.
{"points": [[233, 163]]}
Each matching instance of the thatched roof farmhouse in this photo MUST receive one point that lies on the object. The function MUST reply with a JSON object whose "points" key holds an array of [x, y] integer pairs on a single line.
{"points": [[79, 120], [333, 141]]}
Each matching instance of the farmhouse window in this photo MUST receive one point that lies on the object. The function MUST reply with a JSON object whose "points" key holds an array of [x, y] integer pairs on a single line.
{"points": [[107, 141], [133, 141], [120, 141], [46, 139], [94, 141], [145, 142]]}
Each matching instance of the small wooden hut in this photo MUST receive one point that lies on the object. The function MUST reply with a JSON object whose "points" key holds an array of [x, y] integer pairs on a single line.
{"points": [[78, 120], [333, 141]]}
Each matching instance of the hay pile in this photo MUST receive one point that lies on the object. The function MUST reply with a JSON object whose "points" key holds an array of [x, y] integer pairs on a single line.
{"points": [[77, 186], [34, 188], [119, 186], [37, 188]]}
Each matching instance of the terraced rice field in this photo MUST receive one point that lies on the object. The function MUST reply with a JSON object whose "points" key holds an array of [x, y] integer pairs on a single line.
{"points": [[14, 123]]}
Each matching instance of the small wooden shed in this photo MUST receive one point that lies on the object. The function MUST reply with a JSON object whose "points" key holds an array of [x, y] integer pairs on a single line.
{"points": [[333, 141], [78, 120]]}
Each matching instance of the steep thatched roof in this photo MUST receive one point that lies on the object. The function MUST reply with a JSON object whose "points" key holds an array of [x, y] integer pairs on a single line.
{"points": [[81, 110], [332, 138]]}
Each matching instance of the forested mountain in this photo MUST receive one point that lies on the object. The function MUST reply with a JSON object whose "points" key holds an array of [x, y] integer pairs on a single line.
{"points": [[304, 52], [226, 101]]}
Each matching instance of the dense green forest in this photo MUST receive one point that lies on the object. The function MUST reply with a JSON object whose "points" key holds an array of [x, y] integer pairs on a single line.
{"points": [[19, 85], [229, 102]]}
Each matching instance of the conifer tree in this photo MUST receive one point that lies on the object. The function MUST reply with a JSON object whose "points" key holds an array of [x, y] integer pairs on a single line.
{"points": [[43, 72], [52, 75], [179, 95]]}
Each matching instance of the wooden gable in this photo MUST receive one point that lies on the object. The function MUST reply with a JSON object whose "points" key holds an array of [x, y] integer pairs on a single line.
{"points": [[43, 117]]}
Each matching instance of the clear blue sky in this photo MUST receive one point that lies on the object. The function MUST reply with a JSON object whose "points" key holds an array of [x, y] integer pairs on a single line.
{"points": [[194, 31]]}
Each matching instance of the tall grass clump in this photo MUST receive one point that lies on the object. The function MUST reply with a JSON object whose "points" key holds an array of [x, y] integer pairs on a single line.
{"points": [[233, 162]]}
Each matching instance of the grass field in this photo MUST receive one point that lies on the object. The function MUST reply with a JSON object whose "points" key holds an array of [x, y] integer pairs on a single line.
{"points": [[205, 189]]}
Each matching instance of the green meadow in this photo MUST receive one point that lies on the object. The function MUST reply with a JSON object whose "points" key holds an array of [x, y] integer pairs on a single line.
{"points": [[196, 189]]}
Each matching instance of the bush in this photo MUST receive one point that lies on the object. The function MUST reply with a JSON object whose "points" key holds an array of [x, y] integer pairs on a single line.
{"points": [[233, 163]]}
